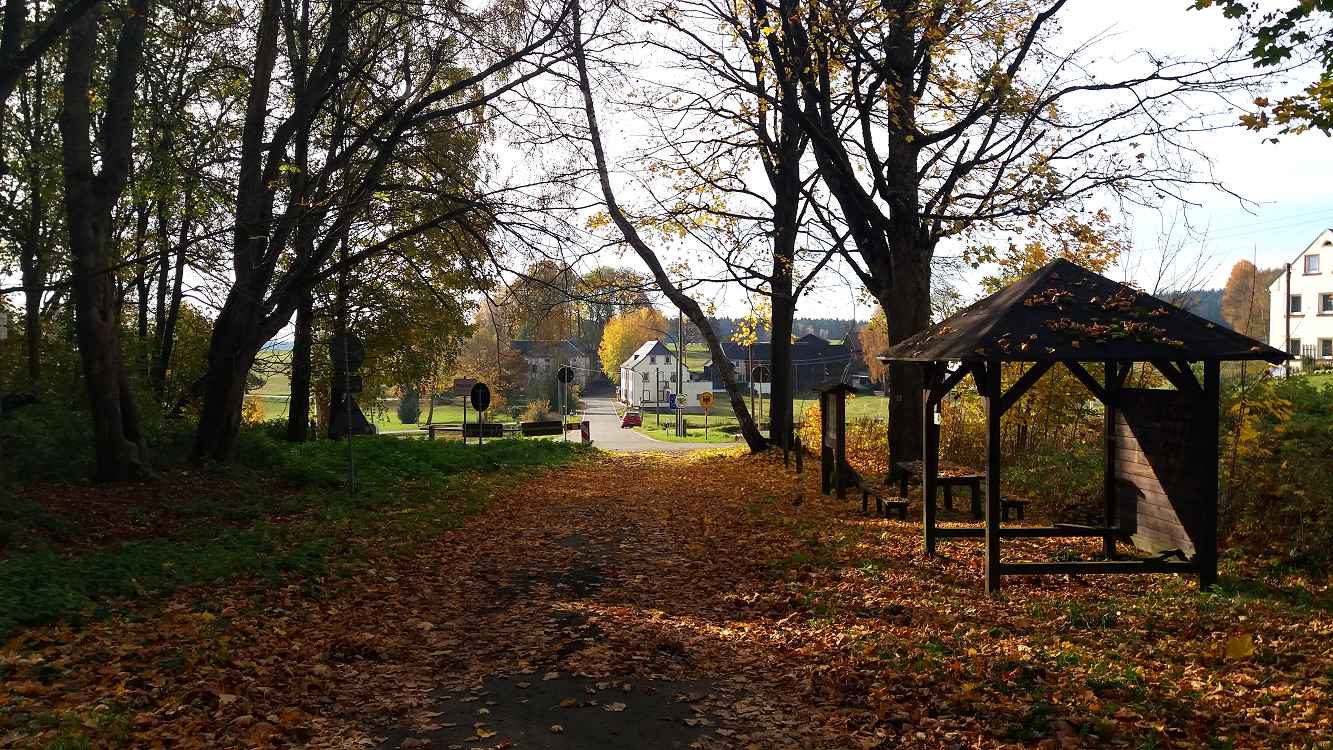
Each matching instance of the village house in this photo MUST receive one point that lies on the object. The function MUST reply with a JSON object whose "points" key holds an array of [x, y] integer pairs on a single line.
{"points": [[815, 360], [546, 356], [1301, 305], [648, 377]]}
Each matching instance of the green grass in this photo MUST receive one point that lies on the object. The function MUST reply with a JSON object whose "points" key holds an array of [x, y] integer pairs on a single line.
{"points": [[291, 514], [722, 431], [384, 415]]}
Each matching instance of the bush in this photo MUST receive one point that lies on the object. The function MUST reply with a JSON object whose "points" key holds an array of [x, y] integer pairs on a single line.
{"points": [[1277, 458], [537, 411], [409, 406]]}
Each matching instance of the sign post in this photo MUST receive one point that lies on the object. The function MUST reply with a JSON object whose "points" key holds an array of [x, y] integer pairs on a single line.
{"points": [[564, 376], [706, 401], [480, 396]]}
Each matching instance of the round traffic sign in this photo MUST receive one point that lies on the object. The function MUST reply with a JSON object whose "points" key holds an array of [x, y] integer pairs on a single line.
{"points": [[480, 396], [706, 400], [565, 374]]}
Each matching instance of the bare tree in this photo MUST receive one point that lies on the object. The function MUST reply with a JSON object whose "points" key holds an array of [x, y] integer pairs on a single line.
{"points": [[686, 304], [951, 119]]}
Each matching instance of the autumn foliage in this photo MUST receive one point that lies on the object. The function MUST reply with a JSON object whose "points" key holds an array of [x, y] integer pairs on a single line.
{"points": [[625, 333]]}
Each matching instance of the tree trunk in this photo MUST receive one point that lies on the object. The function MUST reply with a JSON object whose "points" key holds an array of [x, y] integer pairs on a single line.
{"points": [[89, 199], [232, 350], [780, 386], [907, 309], [754, 439], [167, 326], [33, 279], [141, 269], [298, 409]]}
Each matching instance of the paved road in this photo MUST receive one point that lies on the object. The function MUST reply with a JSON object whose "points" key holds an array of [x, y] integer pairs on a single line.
{"points": [[608, 435]]}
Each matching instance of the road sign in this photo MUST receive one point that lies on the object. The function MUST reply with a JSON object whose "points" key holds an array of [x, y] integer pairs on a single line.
{"points": [[480, 396], [706, 399], [565, 374], [671, 401]]}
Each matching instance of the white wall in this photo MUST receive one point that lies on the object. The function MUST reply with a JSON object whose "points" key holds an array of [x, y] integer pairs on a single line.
{"points": [[1313, 328]]}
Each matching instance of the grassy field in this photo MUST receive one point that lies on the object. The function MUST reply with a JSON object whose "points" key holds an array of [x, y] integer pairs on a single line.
{"points": [[273, 396], [722, 420]]}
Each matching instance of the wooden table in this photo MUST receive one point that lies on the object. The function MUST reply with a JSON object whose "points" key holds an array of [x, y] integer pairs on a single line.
{"points": [[950, 477]]}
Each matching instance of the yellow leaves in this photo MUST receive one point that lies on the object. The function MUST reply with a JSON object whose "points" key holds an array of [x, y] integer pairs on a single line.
{"points": [[1239, 647]]}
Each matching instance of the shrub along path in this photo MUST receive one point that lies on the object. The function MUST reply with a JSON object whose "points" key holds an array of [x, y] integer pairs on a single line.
{"points": [[659, 601]]}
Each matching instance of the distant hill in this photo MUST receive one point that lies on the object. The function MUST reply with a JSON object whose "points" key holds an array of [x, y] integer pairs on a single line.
{"points": [[1206, 303], [833, 329]]}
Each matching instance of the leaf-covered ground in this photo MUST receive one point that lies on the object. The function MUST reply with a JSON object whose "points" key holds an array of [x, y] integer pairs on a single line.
{"points": [[660, 601]]}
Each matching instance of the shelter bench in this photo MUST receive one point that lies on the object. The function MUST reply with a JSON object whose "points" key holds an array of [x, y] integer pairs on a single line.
{"points": [[883, 506], [1012, 503]]}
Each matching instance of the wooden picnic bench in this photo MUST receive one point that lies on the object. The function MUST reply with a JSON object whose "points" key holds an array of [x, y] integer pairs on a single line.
{"points": [[884, 506], [949, 477]]}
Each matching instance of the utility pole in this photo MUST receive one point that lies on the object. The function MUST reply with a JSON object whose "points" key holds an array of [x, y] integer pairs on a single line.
{"points": [[680, 372]]}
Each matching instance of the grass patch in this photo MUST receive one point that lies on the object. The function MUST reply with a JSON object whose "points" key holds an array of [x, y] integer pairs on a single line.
{"points": [[292, 513]]}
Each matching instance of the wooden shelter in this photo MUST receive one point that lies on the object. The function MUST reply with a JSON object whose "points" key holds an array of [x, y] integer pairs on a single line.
{"points": [[1160, 476]]}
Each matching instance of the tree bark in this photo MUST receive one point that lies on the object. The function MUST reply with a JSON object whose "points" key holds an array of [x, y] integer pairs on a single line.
{"points": [[167, 321], [89, 199], [298, 409]]}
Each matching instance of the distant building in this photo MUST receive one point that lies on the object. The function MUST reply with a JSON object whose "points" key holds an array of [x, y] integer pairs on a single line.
{"points": [[546, 356], [815, 360], [648, 377], [1300, 319]]}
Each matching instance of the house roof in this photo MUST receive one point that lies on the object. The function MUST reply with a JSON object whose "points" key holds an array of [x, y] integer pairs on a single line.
{"points": [[542, 348], [1327, 241], [654, 347], [1063, 312]]}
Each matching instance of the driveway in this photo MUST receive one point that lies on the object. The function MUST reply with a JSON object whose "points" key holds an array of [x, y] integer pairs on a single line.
{"points": [[608, 435]]}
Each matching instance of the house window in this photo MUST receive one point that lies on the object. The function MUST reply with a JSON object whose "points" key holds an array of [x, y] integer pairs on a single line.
{"points": [[1326, 348], [666, 360], [645, 377], [1326, 304], [1312, 264], [1294, 347], [1295, 304], [652, 359]]}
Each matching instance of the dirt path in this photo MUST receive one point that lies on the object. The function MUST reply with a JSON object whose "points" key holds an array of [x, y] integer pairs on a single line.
{"points": [[653, 601], [610, 623]]}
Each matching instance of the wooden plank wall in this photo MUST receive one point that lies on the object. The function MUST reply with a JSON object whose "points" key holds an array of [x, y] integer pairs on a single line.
{"points": [[1157, 490]]}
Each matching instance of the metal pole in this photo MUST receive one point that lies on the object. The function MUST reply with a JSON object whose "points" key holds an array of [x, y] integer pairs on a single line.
{"points": [[680, 371], [465, 421]]}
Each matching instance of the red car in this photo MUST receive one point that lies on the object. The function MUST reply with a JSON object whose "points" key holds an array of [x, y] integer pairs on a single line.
{"points": [[631, 419]]}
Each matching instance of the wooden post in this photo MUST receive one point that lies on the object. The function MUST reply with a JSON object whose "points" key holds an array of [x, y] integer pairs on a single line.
{"points": [[840, 448], [993, 414], [1205, 552], [930, 459], [1109, 468], [825, 449]]}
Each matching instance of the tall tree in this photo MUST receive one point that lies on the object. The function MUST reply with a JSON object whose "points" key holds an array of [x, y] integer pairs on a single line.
{"points": [[33, 219], [1291, 34], [91, 193], [1245, 299], [625, 333], [958, 119], [685, 303], [379, 84], [738, 113], [21, 47]]}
